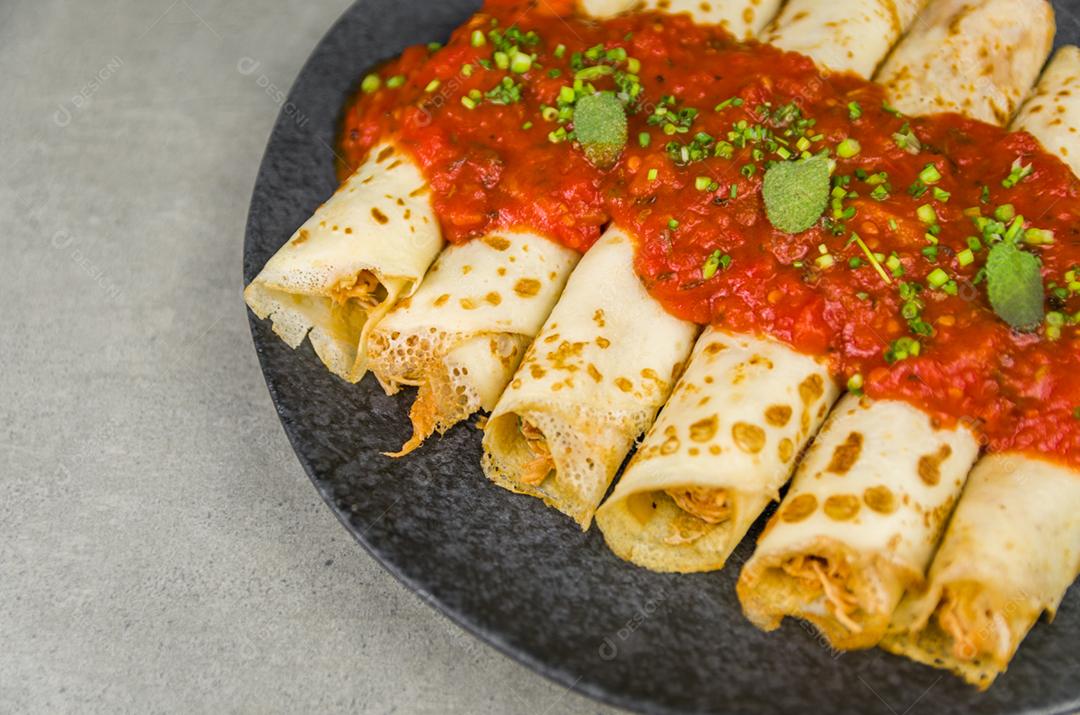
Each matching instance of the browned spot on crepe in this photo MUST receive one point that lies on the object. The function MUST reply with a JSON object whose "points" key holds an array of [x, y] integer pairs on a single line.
{"points": [[799, 508], [749, 438], [811, 389], [499, 243], [704, 430], [778, 415], [930, 465], [527, 287], [846, 455], [880, 499], [841, 507]]}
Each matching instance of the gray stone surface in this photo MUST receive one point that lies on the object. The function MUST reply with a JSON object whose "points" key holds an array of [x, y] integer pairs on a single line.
{"points": [[160, 548]]}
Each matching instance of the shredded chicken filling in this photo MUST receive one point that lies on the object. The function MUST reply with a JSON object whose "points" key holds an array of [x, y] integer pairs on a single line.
{"points": [[834, 581], [537, 470], [365, 290], [709, 505], [974, 626]]}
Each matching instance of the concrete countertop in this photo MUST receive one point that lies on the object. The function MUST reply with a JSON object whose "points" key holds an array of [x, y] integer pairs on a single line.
{"points": [[160, 547]]}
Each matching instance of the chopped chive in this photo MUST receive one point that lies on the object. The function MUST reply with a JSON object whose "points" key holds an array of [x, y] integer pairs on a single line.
{"points": [[824, 262], [370, 84], [854, 111], [930, 175], [927, 214], [714, 263], [1019, 172], [1038, 237], [672, 224], [432, 85], [395, 81], [520, 63], [872, 258], [652, 174], [477, 38], [1005, 212], [937, 278], [468, 103], [848, 148], [560, 51], [1013, 232], [855, 383], [965, 257], [644, 139]]}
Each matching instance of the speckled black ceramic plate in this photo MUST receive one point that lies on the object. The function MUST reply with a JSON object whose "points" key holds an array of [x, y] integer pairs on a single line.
{"points": [[522, 576]]}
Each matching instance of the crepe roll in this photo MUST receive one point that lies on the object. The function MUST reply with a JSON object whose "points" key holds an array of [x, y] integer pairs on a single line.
{"points": [[590, 384], [843, 36], [718, 453], [1011, 551], [461, 336], [1052, 114], [742, 18], [361, 251], [860, 522], [976, 58]]}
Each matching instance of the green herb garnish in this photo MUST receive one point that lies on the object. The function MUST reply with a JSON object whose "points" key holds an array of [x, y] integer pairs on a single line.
{"points": [[1015, 287], [600, 127], [796, 193]]}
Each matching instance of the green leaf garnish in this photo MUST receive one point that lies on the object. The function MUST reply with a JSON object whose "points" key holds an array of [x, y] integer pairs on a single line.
{"points": [[1015, 286], [796, 193], [600, 128]]}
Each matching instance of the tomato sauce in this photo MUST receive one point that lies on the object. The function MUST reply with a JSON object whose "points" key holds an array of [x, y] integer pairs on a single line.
{"points": [[877, 273]]}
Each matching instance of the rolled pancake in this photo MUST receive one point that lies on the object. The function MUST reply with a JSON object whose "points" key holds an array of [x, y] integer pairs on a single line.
{"points": [[361, 251], [1013, 546], [742, 18], [1052, 113], [463, 333], [589, 385], [650, 521], [849, 36], [860, 522], [1011, 551], [976, 58], [718, 453]]}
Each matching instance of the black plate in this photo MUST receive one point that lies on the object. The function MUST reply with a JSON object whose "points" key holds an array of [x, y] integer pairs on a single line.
{"points": [[522, 576]]}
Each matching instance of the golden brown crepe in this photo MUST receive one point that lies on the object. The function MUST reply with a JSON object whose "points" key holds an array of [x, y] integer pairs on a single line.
{"points": [[361, 251], [976, 58], [589, 385], [1011, 551], [860, 522], [719, 452]]}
